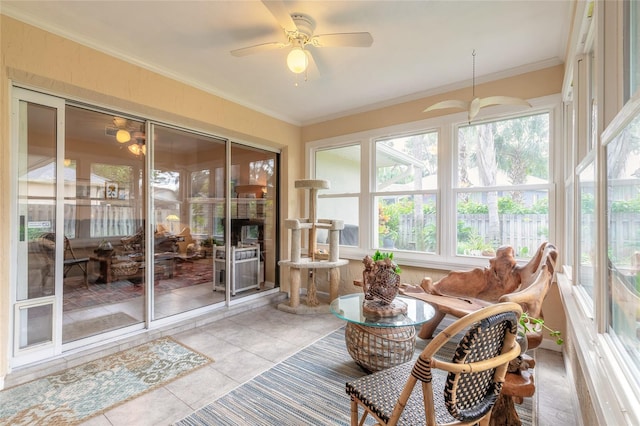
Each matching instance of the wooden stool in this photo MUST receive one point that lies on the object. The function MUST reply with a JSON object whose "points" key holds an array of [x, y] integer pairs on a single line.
{"points": [[516, 387]]}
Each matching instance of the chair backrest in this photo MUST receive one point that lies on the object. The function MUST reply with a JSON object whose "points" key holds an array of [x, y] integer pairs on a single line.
{"points": [[478, 367], [47, 243]]}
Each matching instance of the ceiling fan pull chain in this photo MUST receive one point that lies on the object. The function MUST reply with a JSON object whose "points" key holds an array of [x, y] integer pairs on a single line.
{"points": [[473, 81]]}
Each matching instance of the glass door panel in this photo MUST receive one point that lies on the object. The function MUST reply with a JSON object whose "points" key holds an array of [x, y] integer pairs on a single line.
{"points": [[104, 256], [35, 325], [187, 191], [253, 220], [36, 205]]}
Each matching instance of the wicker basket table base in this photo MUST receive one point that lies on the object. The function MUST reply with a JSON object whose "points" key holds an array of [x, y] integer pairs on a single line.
{"points": [[378, 348]]}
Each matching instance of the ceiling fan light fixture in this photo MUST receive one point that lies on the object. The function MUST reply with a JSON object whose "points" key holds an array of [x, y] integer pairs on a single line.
{"points": [[297, 60], [137, 148], [123, 136]]}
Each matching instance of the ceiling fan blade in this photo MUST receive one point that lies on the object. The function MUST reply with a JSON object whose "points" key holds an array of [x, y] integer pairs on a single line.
{"points": [[312, 68], [452, 103], [342, 40], [279, 11], [258, 48], [502, 100]]}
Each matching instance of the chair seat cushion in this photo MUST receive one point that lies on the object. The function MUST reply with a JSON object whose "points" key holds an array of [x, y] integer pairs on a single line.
{"points": [[76, 261], [380, 391]]}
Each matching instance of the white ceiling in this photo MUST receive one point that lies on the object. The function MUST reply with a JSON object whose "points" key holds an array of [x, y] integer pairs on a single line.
{"points": [[419, 47]]}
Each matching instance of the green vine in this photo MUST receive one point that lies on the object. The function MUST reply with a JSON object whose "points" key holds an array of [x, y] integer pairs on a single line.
{"points": [[526, 321]]}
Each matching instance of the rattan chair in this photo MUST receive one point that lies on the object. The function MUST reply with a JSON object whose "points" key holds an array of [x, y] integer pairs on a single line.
{"points": [[462, 391]]}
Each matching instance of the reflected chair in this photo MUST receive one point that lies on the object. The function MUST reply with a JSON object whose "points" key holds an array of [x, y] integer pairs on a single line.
{"points": [[462, 391], [70, 259], [186, 243]]}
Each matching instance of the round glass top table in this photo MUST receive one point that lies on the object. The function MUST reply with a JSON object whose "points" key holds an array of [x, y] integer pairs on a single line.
{"points": [[378, 342]]}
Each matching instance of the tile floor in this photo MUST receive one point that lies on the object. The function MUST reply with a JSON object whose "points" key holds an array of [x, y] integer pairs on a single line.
{"points": [[246, 344], [246, 340], [242, 347]]}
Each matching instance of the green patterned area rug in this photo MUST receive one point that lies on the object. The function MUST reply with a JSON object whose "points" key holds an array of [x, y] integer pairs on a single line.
{"points": [[308, 388], [81, 392]]}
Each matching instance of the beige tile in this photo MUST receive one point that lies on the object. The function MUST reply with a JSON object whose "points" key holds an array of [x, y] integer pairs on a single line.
{"points": [[158, 407], [202, 386], [208, 345], [242, 366], [99, 420], [272, 349]]}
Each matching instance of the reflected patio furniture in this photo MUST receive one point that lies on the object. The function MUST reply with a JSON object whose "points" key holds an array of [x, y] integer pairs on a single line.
{"points": [[47, 243], [185, 242], [132, 267]]}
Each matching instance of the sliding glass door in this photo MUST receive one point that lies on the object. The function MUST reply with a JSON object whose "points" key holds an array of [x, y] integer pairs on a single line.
{"points": [[253, 219], [90, 263]]}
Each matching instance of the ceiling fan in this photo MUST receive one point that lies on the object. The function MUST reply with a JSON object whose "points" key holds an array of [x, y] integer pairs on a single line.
{"points": [[126, 131], [298, 30], [473, 107]]}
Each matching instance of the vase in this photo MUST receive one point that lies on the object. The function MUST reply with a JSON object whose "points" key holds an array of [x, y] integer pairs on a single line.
{"points": [[384, 286], [105, 249]]}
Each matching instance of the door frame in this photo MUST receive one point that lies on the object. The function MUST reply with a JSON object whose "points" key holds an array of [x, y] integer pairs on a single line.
{"points": [[19, 239]]}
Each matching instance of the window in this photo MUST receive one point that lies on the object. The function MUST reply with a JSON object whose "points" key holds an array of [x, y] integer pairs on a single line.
{"points": [[587, 228], [502, 186], [341, 167], [623, 217], [435, 190], [406, 170], [111, 200]]}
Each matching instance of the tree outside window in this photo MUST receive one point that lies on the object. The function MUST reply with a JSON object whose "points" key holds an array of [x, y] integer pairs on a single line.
{"points": [[406, 170], [503, 185]]}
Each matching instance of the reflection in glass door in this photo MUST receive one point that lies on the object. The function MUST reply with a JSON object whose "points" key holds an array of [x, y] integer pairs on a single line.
{"points": [[104, 285], [254, 191], [187, 191]]}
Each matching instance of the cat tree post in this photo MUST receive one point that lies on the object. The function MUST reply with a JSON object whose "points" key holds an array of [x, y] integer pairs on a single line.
{"points": [[313, 260]]}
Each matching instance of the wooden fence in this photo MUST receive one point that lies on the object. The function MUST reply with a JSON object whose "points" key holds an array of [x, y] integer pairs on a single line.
{"points": [[524, 232]]}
